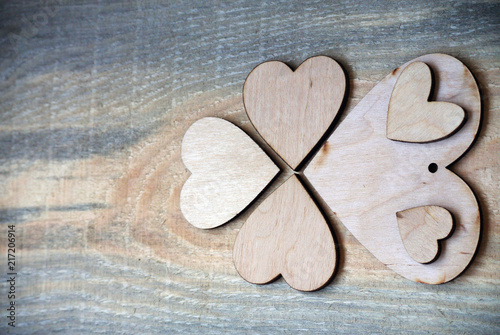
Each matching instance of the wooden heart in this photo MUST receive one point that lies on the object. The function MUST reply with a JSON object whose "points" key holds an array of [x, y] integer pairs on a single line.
{"points": [[411, 118], [365, 178], [287, 235], [421, 228], [292, 110], [228, 171]]}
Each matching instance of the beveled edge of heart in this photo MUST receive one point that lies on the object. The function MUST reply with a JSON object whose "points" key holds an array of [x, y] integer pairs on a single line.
{"points": [[390, 134]]}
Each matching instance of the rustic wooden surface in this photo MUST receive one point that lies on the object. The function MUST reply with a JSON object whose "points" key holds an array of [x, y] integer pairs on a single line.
{"points": [[95, 99]]}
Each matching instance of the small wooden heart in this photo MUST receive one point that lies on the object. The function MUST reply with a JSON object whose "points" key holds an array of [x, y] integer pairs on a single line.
{"points": [[292, 110], [411, 117], [421, 228], [287, 235], [228, 171]]}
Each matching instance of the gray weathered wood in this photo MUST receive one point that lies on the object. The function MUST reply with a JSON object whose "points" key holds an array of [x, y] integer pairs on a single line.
{"points": [[95, 99]]}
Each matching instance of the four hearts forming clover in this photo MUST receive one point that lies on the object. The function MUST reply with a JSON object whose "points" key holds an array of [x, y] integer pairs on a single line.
{"points": [[382, 171]]}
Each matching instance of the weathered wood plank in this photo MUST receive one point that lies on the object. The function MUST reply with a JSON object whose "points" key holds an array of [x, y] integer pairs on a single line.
{"points": [[95, 99]]}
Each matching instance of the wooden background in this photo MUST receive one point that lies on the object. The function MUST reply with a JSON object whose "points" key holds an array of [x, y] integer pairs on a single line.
{"points": [[95, 97]]}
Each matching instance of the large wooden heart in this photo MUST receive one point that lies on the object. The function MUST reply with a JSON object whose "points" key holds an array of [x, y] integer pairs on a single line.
{"points": [[292, 110], [367, 178]]}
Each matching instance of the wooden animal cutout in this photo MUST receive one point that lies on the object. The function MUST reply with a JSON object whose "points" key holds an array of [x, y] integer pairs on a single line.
{"points": [[228, 171], [366, 178]]}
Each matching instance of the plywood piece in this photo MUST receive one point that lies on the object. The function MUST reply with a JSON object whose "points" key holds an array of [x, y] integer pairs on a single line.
{"points": [[421, 228], [287, 235], [293, 109], [366, 178], [411, 117], [228, 171]]}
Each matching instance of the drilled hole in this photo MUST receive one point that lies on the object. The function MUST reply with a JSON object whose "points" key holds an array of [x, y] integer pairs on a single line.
{"points": [[433, 167]]}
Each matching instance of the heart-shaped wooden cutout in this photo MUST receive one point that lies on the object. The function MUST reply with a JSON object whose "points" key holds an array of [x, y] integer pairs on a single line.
{"points": [[365, 178], [228, 171], [421, 228], [411, 117], [293, 110], [287, 235]]}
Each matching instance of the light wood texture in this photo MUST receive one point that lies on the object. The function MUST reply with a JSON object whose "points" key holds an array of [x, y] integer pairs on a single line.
{"points": [[228, 171], [367, 178], [293, 109], [94, 104], [287, 235], [411, 117], [421, 228]]}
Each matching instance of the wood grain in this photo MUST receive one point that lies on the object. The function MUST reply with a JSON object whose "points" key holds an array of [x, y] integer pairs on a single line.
{"points": [[385, 176], [229, 171], [293, 109], [287, 235], [411, 118], [421, 228], [94, 104]]}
